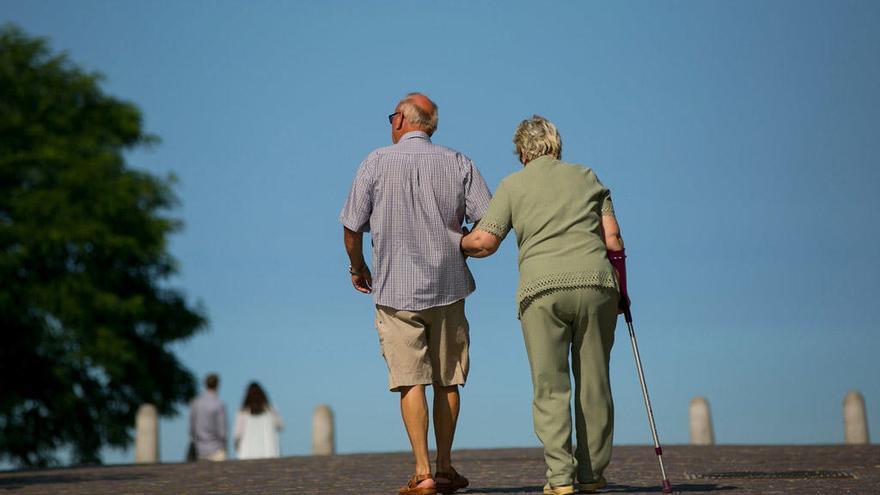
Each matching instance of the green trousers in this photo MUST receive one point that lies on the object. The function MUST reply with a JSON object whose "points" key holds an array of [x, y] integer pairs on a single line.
{"points": [[581, 321]]}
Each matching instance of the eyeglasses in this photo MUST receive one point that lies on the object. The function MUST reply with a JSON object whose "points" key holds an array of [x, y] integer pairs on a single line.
{"points": [[391, 117]]}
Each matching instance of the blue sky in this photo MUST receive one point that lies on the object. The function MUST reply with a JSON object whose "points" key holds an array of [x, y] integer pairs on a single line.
{"points": [[739, 139]]}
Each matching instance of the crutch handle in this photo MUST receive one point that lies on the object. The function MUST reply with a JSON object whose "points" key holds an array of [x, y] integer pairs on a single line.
{"points": [[624, 305]]}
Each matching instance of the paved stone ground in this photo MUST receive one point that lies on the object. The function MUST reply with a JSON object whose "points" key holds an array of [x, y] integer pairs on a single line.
{"points": [[500, 471]]}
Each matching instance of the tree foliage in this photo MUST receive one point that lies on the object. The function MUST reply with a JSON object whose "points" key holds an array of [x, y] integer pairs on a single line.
{"points": [[85, 310]]}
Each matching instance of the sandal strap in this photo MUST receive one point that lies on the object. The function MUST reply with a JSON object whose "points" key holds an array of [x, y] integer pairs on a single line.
{"points": [[450, 475], [418, 478]]}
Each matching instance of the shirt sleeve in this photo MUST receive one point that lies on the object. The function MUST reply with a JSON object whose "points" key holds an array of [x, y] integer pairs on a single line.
{"points": [[476, 193], [606, 206], [355, 215], [497, 219]]}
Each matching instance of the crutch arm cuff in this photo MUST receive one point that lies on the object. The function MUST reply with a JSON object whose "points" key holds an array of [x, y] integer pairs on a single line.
{"points": [[618, 261]]}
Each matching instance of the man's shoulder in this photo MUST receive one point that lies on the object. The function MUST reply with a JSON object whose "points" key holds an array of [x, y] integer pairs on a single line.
{"points": [[371, 157], [207, 399], [416, 147], [448, 150]]}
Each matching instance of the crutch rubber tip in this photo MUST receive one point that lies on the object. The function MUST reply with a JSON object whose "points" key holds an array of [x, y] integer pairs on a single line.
{"points": [[667, 488]]}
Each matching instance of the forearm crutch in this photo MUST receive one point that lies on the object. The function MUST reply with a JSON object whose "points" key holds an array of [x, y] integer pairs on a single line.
{"points": [[627, 314]]}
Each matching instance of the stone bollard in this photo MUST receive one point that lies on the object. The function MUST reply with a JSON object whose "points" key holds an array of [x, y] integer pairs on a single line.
{"points": [[855, 419], [146, 435], [701, 422], [323, 438]]}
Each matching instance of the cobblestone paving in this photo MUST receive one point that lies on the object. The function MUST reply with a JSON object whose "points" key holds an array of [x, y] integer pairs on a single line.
{"points": [[500, 471]]}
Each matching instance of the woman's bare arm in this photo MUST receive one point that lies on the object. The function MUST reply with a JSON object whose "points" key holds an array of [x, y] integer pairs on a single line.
{"points": [[611, 230]]}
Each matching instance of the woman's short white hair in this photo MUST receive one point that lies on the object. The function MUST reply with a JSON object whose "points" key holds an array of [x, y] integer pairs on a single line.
{"points": [[536, 137], [415, 115]]}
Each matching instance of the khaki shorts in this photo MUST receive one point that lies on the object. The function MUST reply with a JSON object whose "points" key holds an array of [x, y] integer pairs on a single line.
{"points": [[424, 347]]}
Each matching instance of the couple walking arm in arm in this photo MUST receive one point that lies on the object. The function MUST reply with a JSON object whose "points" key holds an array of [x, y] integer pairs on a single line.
{"points": [[257, 425], [413, 197]]}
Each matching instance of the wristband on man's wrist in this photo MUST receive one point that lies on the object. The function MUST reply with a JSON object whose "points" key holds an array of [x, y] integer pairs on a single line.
{"points": [[352, 271]]}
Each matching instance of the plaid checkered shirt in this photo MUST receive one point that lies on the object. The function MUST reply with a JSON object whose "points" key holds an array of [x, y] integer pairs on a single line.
{"points": [[413, 197]]}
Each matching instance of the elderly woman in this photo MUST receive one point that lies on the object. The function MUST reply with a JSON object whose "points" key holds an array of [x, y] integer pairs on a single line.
{"points": [[568, 298]]}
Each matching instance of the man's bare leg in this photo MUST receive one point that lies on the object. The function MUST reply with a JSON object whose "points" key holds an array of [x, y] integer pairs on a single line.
{"points": [[414, 410], [446, 406]]}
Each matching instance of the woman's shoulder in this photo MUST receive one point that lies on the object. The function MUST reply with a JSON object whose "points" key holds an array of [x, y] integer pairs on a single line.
{"points": [[266, 413], [515, 179], [578, 168], [588, 175]]}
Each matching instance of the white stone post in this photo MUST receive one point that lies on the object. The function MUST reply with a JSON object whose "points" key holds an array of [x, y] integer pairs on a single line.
{"points": [[855, 419], [146, 435], [323, 437], [701, 422]]}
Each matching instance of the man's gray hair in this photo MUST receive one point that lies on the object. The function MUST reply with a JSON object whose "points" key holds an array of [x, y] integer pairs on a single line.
{"points": [[536, 137], [417, 116]]}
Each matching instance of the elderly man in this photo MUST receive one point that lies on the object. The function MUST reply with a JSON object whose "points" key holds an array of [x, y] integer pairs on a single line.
{"points": [[413, 197]]}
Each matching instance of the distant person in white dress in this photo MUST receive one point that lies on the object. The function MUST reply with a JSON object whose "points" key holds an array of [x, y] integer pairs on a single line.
{"points": [[256, 426]]}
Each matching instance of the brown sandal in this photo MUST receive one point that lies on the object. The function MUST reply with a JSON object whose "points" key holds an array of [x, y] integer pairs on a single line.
{"points": [[412, 487], [454, 481]]}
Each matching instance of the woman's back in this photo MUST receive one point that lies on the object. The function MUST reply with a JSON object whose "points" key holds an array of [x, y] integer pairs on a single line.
{"points": [[556, 210], [257, 434]]}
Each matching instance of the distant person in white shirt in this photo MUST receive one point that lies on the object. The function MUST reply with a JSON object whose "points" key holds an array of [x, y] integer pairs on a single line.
{"points": [[256, 426], [207, 422]]}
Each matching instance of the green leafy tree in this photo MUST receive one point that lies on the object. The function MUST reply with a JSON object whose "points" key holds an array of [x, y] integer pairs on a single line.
{"points": [[85, 309]]}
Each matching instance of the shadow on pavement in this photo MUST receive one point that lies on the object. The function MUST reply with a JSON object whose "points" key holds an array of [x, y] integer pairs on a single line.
{"points": [[683, 488], [13, 482], [516, 489], [680, 488]]}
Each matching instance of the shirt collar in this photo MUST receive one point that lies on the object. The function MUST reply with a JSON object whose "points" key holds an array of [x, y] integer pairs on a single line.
{"points": [[543, 159], [415, 134]]}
